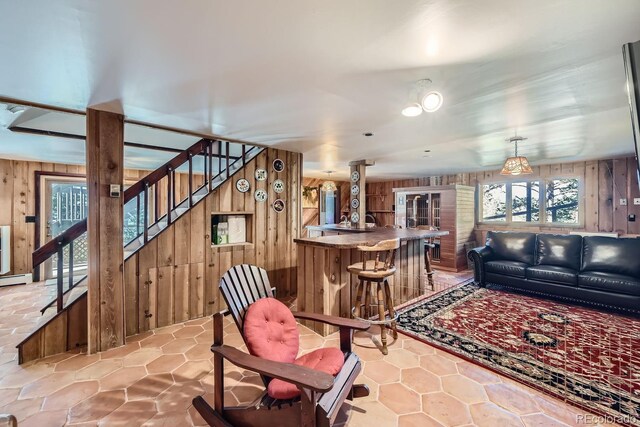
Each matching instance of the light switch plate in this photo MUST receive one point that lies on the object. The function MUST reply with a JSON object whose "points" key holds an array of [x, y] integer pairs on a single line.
{"points": [[623, 202], [636, 201]]}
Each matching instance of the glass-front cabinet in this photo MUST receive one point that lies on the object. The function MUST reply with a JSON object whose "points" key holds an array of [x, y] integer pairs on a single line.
{"points": [[444, 207]]}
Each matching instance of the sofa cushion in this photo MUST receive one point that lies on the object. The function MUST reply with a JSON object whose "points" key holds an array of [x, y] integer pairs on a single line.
{"points": [[507, 268], [609, 282], [510, 246], [611, 255], [554, 274], [562, 250]]}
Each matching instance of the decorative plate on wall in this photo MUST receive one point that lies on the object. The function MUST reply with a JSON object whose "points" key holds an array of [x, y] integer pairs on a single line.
{"points": [[278, 165], [278, 186], [261, 174], [355, 217], [242, 185], [260, 195], [355, 176], [355, 190], [278, 205], [355, 203]]}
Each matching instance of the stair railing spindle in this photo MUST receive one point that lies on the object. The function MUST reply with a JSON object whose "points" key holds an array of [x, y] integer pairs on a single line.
{"points": [[169, 197], [71, 264], [227, 158], [210, 160], [190, 184], [60, 277], [145, 213]]}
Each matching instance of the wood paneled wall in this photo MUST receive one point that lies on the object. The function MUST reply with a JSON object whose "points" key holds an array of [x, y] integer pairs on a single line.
{"points": [[605, 182], [18, 198], [311, 216], [175, 277]]}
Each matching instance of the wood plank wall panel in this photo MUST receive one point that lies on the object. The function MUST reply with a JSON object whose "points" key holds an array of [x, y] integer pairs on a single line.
{"points": [[17, 199], [178, 275], [605, 182]]}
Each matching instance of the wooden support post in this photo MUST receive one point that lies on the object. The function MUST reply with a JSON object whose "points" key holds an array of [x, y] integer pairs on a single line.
{"points": [[359, 166], [105, 167]]}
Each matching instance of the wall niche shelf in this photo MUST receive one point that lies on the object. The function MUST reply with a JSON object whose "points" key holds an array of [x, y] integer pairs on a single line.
{"points": [[229, 229]]}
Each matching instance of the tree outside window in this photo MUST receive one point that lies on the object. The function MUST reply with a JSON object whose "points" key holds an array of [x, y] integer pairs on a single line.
{"points": [[562, 201], [554, 201]]}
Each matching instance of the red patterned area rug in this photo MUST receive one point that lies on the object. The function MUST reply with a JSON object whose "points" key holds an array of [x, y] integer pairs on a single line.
{"points": [[584, 356]]}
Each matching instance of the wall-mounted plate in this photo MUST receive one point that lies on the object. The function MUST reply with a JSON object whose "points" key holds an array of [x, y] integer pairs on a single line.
{"points": [[278, 205], [355, 203], [355, 190], [355, 217], [261, 174], [278, 165], [355, 176], [260, 195], [278, 186], [242, 185]]}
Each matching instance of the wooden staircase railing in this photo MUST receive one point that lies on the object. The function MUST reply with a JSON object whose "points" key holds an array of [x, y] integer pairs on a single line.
{"points": [[143, 198]]}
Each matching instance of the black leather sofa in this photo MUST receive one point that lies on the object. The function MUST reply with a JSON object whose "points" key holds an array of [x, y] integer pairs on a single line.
{"points": [[598, 270]]}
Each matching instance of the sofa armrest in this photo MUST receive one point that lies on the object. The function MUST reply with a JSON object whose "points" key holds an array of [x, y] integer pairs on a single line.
{"points": [[479, 256]]}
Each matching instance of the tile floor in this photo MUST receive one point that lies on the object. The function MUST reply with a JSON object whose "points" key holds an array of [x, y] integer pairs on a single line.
{"points": [[152, 380]]}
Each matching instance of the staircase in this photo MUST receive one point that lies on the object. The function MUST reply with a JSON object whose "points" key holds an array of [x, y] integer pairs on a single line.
{"points": [[151, 205]]}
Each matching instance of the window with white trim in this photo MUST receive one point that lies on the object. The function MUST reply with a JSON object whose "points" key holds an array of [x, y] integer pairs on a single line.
{"points": [[537, 201]]}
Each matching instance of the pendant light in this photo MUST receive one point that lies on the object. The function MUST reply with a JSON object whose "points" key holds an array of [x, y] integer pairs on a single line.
{"points": [[516, 165], [329, 186]]}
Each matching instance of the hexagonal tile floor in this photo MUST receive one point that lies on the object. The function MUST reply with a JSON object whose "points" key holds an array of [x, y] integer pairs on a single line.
{"points": [[152, 380]]}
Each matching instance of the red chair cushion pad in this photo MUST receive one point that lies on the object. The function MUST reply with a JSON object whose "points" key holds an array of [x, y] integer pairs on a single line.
{"points": [[270, 331], [329, 360]]}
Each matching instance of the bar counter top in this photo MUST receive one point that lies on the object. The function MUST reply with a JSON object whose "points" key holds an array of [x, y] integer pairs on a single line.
{"points": [[353, 238]]}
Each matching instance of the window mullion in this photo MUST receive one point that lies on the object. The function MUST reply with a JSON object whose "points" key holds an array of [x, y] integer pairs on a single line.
{"points": [[509, 203]]}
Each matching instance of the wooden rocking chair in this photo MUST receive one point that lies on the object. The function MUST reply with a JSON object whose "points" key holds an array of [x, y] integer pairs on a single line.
{"points": [[320, 394]]}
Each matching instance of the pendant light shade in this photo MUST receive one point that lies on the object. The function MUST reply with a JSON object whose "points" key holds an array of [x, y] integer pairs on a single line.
{"points": [[516, 165], [329, 186]]}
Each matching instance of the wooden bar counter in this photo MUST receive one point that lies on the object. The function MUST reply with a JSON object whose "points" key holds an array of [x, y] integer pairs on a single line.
{"points": [[325, 286]]}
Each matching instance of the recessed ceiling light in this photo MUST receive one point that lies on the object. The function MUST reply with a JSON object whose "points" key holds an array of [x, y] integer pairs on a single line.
{"points": [[412, 109], [432, 101]]}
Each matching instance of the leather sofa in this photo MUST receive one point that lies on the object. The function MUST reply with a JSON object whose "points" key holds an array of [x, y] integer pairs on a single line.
{"points": [[603, 271]]}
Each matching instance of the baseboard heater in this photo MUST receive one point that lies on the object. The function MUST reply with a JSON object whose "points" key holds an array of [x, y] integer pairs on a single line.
{"points": [[18, 279]]}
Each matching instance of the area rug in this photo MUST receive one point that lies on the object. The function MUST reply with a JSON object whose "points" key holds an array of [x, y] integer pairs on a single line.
{"points": [[584, 356]]}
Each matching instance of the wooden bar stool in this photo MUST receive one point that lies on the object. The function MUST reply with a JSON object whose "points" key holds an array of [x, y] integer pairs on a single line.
{"points": [[428, 247], [377, 271]]}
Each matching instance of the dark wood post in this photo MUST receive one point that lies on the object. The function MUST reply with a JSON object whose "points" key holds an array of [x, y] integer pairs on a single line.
{"points": [[105, 167]]}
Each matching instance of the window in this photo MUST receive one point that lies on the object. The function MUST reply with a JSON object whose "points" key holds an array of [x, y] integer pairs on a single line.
{"points": [[553, 201], [494, 202], [562, 201], [525, 201]]}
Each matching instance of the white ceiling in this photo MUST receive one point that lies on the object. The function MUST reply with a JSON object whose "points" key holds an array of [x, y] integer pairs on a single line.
{"points": [[313, 76]]}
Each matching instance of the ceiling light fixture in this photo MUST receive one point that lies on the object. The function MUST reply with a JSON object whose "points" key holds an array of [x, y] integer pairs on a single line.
{"points": [[329, 186], [430, 100], [516, 165]]}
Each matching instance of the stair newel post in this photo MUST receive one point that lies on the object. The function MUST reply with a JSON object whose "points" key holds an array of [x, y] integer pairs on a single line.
{"points": [[145, 213], [210, 161], [190, 197], [60, 275], [169, 195], [71, 264], [227, 157]]}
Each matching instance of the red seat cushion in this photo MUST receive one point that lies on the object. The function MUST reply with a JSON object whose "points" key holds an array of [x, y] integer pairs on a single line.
{"points": [[270, 331], [329, 360]]}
